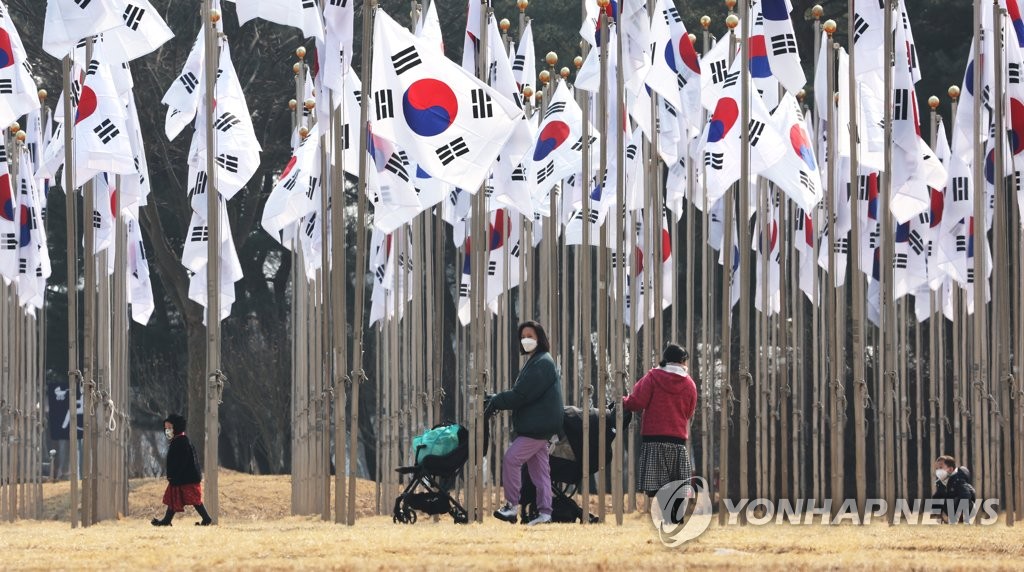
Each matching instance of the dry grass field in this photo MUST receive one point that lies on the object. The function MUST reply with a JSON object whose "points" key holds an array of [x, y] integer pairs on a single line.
{"points": [[256, 533]]}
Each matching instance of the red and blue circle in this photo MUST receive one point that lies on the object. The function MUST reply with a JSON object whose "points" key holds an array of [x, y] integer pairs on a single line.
{"points": [[551, 137], [430, 107], [7, 206], [26, 227], [688, 54], [802, 145], [1016, 125], [6, 50], [87, 104], [722, 120]]}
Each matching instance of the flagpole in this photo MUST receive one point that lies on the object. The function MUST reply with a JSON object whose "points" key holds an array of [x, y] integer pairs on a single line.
{"points": [[980, 281], [338, 260], [585, 278], [936, 366], [707, 320], [743, 191]]}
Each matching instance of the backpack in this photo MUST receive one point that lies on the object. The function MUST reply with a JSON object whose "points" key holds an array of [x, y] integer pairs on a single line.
{"points": [[437, 441]]}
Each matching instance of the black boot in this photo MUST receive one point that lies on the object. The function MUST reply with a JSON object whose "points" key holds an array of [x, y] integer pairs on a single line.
{"points": [[166, 521], [207, 521]]}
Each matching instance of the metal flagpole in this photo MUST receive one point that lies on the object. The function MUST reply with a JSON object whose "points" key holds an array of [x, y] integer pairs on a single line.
{"points": [[978, 371], [707, 319], [585, 282], [744, 375], [339, 140], [603, 270]]}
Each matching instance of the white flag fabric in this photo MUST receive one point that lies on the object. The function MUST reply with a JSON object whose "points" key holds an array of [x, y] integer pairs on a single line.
{"points": [[21, 95], [68, 21], [194, 258], [135, 188], [335, 52], [140, 287], [782, 52], [238, 150], [141, 33], [449, 122], [101, 127], [10, 218], [33, 256], [556, 153], [302, 14], [797, 173], [524, 67], [182, 97], [292, 196], [429, 27]]}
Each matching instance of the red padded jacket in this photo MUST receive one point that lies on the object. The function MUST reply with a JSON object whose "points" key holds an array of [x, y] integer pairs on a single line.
{"points": [[668, 401]]}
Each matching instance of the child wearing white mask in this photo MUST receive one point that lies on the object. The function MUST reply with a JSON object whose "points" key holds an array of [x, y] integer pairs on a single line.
{"points": [[953, 485]]}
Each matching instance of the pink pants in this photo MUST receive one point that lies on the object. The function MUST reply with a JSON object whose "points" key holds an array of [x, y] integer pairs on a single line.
{"points": [[534, 453]]}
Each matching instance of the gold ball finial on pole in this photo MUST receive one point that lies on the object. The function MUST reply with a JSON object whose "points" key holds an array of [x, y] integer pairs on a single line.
{"points": [[504, 24], [296, 68], [817, 11], [292, 104], [42, 95], [731, 21], [603, 3], [564, 72], [545, 77], [730, 4], [309, 104], [15, 127], [578, 62], [829, 27], [303, 132], [551, 59], [300, 52], [954, 92], [215, 15], [705, 21], [21, 136], [800, 95], [933, 102], [523, 4], [527, 91]]}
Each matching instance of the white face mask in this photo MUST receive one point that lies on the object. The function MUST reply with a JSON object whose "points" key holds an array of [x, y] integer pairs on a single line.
{"points": [[169, 433], [529, 344], [941, 474]]}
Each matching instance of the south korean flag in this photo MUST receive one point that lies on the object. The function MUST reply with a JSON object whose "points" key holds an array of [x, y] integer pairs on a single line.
{"points": [[449, 122]]}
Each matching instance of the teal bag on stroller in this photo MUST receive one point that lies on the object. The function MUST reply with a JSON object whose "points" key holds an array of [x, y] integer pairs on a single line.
{"points": [[438, 441]]}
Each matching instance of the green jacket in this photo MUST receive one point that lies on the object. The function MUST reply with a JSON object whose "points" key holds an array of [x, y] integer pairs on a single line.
{"points": [[535, 399]]}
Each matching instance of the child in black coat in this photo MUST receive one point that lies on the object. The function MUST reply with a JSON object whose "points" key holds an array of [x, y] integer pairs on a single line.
{"points": [[183, 475], [953, 485]]}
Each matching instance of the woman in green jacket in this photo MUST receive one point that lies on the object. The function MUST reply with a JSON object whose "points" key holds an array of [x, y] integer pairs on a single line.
{"points": [[536, 404]]}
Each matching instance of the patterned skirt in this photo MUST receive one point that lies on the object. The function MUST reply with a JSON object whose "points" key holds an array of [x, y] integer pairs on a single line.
{"points": [[177, 496], [662, 463]]}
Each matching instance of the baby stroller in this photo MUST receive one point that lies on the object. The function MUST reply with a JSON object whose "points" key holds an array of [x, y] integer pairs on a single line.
{"points": [[566, 460], [436, 475]]}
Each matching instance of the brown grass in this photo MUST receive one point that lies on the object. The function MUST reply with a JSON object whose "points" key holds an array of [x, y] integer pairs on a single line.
{"points": [[256, 532]]}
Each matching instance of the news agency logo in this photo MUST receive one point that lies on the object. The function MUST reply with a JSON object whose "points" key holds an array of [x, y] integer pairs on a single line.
{"points": [[671, 511]]}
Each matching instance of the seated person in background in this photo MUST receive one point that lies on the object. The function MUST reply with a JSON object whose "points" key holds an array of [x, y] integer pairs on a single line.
{"points": [[953, 485]]}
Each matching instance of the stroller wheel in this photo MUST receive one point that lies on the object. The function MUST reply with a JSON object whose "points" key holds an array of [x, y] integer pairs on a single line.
{"points": [[410, 516], [404, 516], [461, 518]]}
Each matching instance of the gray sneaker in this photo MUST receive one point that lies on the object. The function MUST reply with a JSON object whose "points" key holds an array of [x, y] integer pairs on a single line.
{"points": [[543, 518]]}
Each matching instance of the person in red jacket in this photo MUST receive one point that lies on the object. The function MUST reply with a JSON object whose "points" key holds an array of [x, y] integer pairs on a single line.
{"points": [[668, 397]]}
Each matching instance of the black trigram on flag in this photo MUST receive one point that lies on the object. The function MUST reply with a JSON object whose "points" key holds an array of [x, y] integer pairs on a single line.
{"points": [[805, 181], [730, 79], [405, 60], [970, 275], [397, 165], [545, 172], [916, 242], [492, 267], [228, 162], [960, 189], [97, 219], [3, 154], [519, 174], [488, 190], [756, 130], [1013, 73], [519, 63], [132, 16], [714, 160], [515, 250], [199, 188], [106, 131], [842, 245], [463, 290], [783, 44], [22, 266], [384, 104], [311, 225], [719, 71], [189, 81], [556, 107], [863, 187], [578, 145], [341, 3], [759, 21], [94, 66], [344, 136], [593, 216], [289, 184], [899, 261], [901, 110], [6, 86], [308, 4], [83, 4], [961, 243], [8, 241], [380, 272], [199, 234], [225, 122], [481, 104], [671, 15], [313, 182], [631, 151], [859, 28], [452, 151]]}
